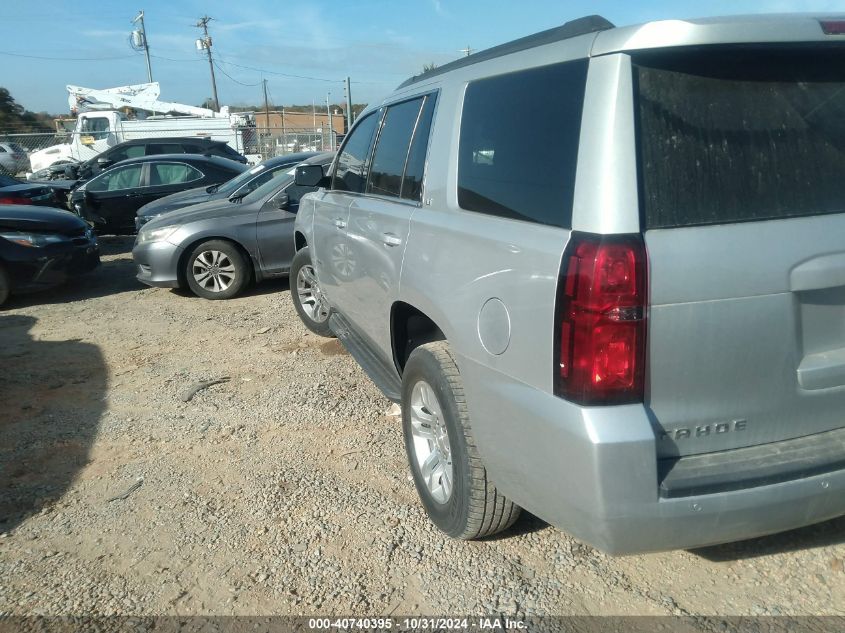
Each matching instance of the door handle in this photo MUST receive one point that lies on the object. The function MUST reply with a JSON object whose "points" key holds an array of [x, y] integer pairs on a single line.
{"points": [[340, 223], [390, 239], [134, 194]]}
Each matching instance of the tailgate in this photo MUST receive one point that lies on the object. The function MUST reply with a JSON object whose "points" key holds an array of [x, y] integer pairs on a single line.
{"points": [[742, 165]]}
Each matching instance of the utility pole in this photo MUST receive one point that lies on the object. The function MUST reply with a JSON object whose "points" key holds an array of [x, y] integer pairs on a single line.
{"points": [[266, 106], [331, 127], [141, 41], [467, 51], [267, 112], [205, 44], [348, 105]]}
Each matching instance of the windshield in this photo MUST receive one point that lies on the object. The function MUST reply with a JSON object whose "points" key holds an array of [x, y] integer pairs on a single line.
{"points": [[259, 173], [281, 178]]}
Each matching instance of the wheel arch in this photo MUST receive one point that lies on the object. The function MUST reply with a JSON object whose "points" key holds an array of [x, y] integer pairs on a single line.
{"points": [[410, 327], [299, 241], [254, 271]]}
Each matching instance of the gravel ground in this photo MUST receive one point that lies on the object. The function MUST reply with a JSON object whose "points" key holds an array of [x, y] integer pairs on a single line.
{"points": [[283, 490]]}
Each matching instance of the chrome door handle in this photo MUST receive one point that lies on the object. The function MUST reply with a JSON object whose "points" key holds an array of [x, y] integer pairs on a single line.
{"points": [[390, 239], [339, 223]]}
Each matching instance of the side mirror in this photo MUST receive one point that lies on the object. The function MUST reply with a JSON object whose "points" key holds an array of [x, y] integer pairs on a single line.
{"points": [[103, 162], [281, 201], [310, 176], [71, 172]]}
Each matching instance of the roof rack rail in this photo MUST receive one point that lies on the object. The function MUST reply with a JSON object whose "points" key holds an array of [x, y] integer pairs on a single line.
{"points": [[573, 28]]}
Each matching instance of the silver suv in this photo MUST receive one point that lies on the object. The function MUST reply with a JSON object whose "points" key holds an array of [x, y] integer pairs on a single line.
{"points": [[603, 271]]}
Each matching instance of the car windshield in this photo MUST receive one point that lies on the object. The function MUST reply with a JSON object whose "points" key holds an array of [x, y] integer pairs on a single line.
{"points": [[280, 178], [234, 184]]}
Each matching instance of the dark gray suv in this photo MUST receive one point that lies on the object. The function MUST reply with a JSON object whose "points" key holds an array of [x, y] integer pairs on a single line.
{"points": [[603, 271]]}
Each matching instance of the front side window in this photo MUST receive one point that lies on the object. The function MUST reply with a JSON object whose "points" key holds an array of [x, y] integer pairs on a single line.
{"points": [[736, 135], [391, 153], [132, 151], [519, 143], [128, 177], [350, 168], [172, 174]]}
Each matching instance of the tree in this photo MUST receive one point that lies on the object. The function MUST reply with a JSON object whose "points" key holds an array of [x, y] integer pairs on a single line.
{"points": [[14, 118], [429, 67]]}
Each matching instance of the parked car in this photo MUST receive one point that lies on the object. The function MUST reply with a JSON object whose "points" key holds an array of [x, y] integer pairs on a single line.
{"points": [[240, 185], [109, 201], [13, 158], [628, 321], [42, 247], [217, 247], [14, 191], [135, 149]]}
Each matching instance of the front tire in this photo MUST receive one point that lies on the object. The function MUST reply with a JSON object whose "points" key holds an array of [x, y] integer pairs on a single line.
{"points": [[216, 270], [448, 473], [308, 299]]}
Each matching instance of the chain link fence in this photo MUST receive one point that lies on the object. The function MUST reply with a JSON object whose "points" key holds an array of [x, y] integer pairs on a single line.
{"points": [[256, 143]]}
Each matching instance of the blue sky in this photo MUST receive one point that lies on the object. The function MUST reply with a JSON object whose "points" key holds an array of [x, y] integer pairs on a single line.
{"points": [[378, 43]]}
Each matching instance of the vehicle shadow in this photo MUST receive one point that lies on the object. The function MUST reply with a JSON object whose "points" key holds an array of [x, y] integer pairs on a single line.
{"points": [[268, 287], [51, 402], [115, 274], [527, 523], [830, 532]]}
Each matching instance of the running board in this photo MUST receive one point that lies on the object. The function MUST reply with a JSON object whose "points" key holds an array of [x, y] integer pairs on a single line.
{"points": [[384, 376]]}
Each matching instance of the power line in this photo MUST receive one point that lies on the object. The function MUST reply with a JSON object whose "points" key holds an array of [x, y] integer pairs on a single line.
{"points": [[69, 59], [273, 72], [218, 67]]}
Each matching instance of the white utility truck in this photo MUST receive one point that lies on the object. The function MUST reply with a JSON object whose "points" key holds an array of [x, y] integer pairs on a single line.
{"points": [[101, 123]]}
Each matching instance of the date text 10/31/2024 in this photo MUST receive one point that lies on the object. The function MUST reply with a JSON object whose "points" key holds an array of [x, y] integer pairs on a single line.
{"points": [[417, 624]]}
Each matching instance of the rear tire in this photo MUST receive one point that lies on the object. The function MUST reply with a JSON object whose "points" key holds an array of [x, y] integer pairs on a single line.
{"points": [[441, 447], [216, 270], [308, 300], [5, 285]]}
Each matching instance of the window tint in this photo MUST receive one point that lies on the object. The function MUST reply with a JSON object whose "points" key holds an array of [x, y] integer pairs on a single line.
{"points": [[172, 173], [350, 171], [128, 177], [519, 143], [730, 135], [412, 182], [391, 151], [132, 151], [166, 148]]}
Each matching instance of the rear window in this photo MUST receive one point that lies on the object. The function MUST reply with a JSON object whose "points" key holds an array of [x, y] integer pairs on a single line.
{"points": [[519, 143], [740, 134]]}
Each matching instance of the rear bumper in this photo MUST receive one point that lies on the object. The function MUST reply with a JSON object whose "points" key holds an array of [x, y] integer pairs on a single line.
{"points": [[158, 264], [594, 473]]}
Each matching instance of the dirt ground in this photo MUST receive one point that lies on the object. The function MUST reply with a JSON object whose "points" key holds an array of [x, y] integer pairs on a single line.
{"points": [[283, 489]]}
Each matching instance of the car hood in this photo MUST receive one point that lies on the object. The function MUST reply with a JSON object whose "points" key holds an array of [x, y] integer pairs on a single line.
{"points": [[29, 186], [26, 218], [203, 211], [178, 200]]}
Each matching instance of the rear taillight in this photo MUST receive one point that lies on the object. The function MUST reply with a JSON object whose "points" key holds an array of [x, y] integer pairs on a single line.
{"points": [[14, 200], [833, 27], [601, 319]]}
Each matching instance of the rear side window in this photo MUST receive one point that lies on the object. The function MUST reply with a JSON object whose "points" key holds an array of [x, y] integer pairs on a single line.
{"points": [[172, 173], [412, 181], [735, 135], [519, 143], [350, 170], [392, 147]]}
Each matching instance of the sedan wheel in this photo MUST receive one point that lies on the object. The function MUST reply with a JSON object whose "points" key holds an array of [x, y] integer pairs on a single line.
{"points": [[213, 271], [216, 270]]}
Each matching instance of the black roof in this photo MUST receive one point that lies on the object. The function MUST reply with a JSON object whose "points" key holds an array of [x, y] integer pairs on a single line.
{"points": [[573, 28], [218, 161]]}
